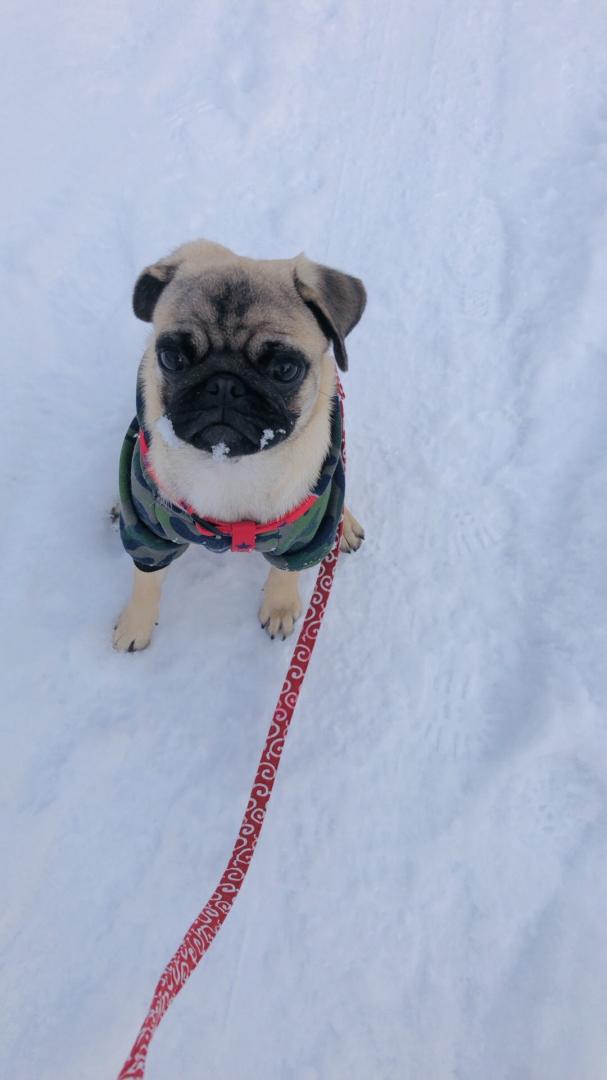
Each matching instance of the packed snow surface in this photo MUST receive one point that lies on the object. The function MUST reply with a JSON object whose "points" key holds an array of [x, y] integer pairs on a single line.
{"points": [[427, 901]]}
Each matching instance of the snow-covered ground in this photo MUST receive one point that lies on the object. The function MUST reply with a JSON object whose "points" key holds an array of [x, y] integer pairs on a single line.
{"points": [[428, 899]]}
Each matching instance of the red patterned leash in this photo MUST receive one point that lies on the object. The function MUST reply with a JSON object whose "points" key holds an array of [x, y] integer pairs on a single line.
{"points": [[208, 923], [204, 928]]}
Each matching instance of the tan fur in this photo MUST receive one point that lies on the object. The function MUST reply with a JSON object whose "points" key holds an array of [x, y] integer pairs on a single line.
{"points": [[353, 533], [259, 486], [135, 626], [281, 605]]}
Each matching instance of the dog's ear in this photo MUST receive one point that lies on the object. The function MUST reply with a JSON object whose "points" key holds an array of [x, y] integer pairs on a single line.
{"points": [[337, 301], [198, 255], [149, 286]]}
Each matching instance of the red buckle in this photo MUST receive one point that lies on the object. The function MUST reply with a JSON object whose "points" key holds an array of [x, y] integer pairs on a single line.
{"points": [[243, 536]]}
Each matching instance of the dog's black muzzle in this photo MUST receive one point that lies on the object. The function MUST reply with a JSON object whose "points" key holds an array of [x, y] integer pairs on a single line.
{"points": [[229, 413]]}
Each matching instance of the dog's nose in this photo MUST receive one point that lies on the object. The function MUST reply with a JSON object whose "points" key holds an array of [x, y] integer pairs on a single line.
{"points": [[225, 387]]}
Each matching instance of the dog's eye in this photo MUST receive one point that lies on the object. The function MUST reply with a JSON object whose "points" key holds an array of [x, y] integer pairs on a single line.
{"points": [[285, 370], [171, 360], [281, 363]]}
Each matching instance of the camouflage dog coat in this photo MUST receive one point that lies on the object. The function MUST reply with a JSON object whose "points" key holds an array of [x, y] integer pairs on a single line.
{"points": [[155, 531]]}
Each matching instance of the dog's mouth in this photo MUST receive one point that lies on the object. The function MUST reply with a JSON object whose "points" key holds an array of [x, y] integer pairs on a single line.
{"points": [[227, 432], [224, 440]]}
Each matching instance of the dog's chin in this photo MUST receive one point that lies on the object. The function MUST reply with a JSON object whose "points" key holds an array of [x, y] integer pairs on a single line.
{"points": [[225, 443]]}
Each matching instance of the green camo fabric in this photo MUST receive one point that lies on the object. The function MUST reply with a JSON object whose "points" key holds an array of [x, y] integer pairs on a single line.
{"points": [[155, 531]]}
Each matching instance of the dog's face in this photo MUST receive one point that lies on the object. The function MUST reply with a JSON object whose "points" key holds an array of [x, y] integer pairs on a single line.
{"points": [[238, 344]]}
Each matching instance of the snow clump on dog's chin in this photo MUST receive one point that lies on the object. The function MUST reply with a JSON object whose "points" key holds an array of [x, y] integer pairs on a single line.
{"points": [[268, 435], [220, 451], [164, 427]]}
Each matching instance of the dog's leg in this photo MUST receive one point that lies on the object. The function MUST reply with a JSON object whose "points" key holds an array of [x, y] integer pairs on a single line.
{"points": [[135, 626], [353, 534], [281, 604]]}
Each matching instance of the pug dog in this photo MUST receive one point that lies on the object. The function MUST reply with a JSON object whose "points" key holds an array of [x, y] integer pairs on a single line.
{"points": [[236, 443]]}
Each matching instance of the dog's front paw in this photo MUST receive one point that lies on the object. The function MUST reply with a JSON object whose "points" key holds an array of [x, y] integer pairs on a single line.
{"points": [[134, 629], [353, 533], [281, 604]]}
